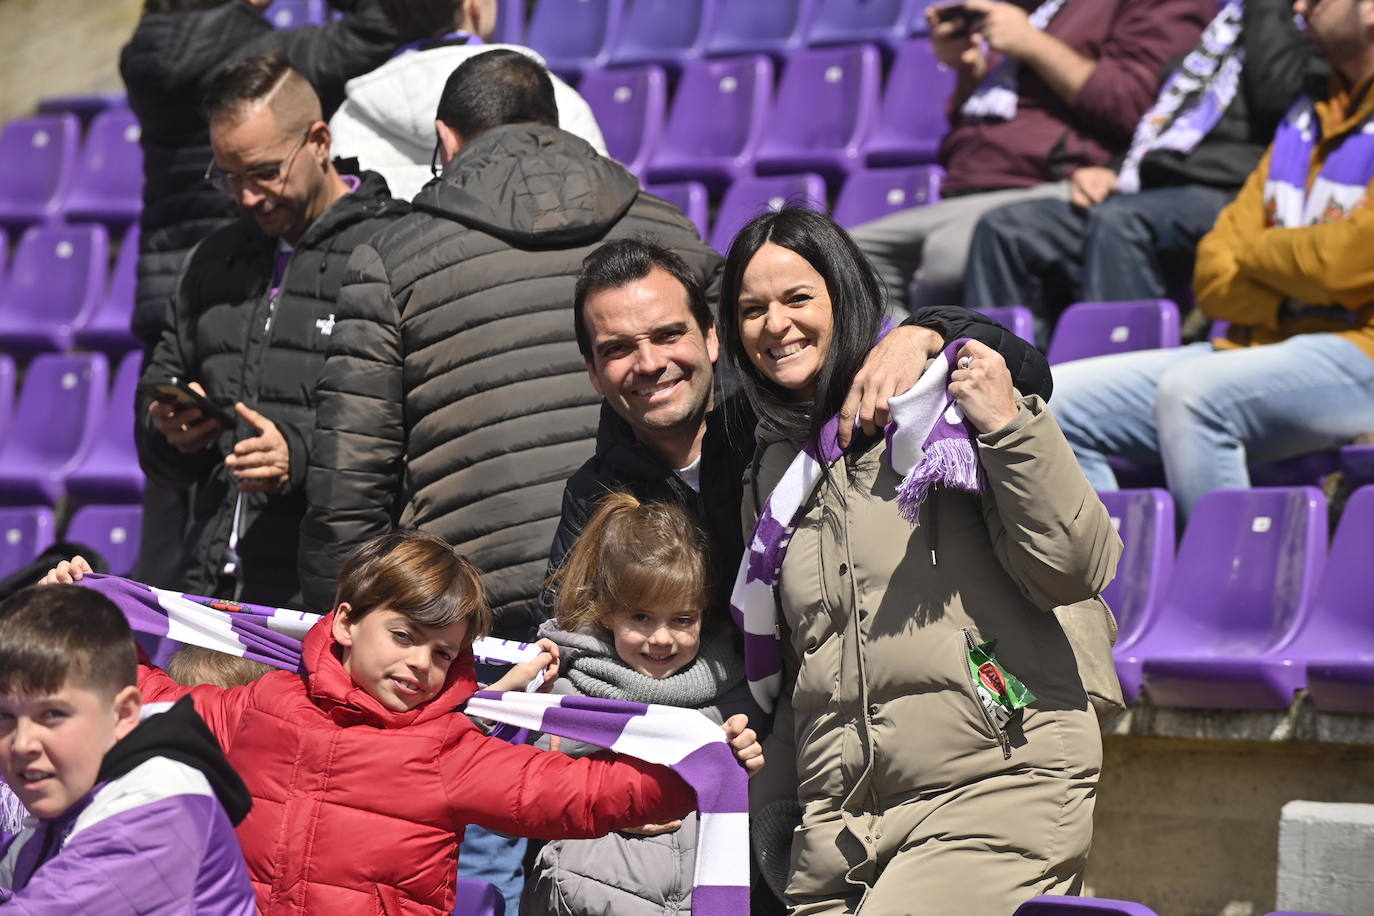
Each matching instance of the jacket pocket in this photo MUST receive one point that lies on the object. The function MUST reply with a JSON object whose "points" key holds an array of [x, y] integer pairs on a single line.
{"points": [[969, 643]]}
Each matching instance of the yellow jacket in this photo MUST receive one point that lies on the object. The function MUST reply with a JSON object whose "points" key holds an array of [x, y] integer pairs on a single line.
{"points": [[1246, 271]]}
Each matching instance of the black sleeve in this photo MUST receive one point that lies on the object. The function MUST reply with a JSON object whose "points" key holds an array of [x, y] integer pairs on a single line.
{"points": [[1030, 371], [1278, 61]]}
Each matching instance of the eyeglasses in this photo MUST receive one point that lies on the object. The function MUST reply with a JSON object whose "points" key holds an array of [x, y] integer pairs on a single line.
{"points": [[269, 175], [436, 164]]}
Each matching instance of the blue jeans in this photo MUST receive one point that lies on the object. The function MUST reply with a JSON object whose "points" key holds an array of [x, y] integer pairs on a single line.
{"points": [[490, 857], [1047, 254], [1204, 413]]}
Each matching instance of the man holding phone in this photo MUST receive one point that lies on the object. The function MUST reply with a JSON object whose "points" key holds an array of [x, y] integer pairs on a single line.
{"points": [[1043, 89], [229, 388]]}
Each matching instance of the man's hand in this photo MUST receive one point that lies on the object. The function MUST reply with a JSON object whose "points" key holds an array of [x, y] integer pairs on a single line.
{"points": [[1090, 185], [744, 742], [981, 386], [261, 464], [956, 47], [1004, 26], [891, 369], [186, 429], [67, 572]]}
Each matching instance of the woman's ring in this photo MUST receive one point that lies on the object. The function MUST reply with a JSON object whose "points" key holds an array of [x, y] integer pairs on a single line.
{"points": [[965, 362]]}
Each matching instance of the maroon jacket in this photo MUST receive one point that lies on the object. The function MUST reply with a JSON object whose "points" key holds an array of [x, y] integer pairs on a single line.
{"points": [[1132, 42]]}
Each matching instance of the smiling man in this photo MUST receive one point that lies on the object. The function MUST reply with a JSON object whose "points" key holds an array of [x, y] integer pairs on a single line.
{"points": [[250, 322]]}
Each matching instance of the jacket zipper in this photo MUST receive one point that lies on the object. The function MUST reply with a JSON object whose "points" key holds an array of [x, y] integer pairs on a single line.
{"points": [[969, 645]]}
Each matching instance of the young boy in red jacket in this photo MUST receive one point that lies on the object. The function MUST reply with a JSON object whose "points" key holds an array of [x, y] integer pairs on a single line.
{"points": [[364, 770]]}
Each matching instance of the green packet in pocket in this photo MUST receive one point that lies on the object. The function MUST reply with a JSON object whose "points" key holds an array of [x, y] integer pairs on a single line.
{"points": [[1000, 692]]}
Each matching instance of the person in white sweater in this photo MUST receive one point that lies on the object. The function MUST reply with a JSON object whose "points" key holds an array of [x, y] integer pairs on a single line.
{"points": [[387, 119]]}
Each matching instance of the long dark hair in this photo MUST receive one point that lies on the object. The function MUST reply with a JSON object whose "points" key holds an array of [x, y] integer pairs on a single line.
{"points": [[856, 297]]}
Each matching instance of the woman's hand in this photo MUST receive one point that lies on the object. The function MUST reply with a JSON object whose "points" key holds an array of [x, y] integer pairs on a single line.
{"points": [[67, 572], [981, 386]]}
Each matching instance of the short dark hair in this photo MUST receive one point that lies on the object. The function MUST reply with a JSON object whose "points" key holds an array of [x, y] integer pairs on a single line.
{"points": [[622, 262], [250, 80], [496, 88], [421, 18], [179, 6], [856, 299], [54, 636]]}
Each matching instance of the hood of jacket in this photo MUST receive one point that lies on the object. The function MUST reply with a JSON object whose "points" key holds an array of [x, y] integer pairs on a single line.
{"points": [[180, 734], [176, 52], [333, 689], [531, 186]]}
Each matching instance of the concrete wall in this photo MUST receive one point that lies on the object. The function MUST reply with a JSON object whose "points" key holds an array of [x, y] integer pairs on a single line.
{"points": [[56, 47]]}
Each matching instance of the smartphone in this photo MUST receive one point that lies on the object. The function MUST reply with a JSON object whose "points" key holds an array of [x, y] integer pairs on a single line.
{"points": [[184, 396], [957, 13]]}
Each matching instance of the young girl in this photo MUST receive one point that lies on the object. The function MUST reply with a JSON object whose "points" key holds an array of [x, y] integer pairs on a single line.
{"points": [[628, 621], [364, 769]]}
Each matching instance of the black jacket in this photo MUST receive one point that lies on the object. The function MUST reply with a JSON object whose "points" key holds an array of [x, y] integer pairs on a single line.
{"points": [[1278, 61], [455, 399], [623, 462], [167, 66], [228, 333]]}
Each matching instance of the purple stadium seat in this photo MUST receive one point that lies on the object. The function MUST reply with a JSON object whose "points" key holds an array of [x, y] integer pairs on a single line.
{"points": [[872, 193], [886, 22], [1337, 640], [1081, 906], [113, 531], [60, 410], [689, 197], [1357, 463], [109, 473], [478, 898], [55, 283], [1242, 587], [109, 327], [573, 35], [1098, 328], [510, 22], [290, 14], [774, 27], [25, 532], [8, 375], [826, 104], [39, 154], [671, 33], [108, 186], [749, 197], [630, 105], [716, 122], [1015, 318], [1299, 471], [911, 119], [84, 105], [4, 255], [1145, 521]]}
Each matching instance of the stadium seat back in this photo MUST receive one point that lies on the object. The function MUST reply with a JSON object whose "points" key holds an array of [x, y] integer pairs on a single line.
{"points": [[114, 531], [478, 898], [749, 197], [25, 532], [1081, 906], [689, 197], [39, 154], [1145, 521], [573, 35], [888, 22], [55, 283], [41, 452], [108, 185], [291, 14], [759, 27], [1015, 318], [870, 194], [911, 117], [716, 121], [1102, 328], [671, 33], [109, 472], [630, 105], [109, 326]]}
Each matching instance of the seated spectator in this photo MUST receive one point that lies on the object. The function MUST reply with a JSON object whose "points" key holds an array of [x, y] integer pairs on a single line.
{"points": [[127, 816], [387, 121], [191, 666], [1290, 266], [1131, 231], [1043, 91], [249, 327], [364, 769]]}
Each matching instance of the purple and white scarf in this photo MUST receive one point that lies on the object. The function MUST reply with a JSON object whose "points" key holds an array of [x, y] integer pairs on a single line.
{"points": [[996, 95], [1341, 185], [929, 441], [1193, 98], [682, 739]]}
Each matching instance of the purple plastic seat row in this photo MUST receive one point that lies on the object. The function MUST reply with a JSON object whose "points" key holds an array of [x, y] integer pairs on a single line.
{"points": [[630, 105], [109, 326], [749, 197], [1145, 521], [1049, 905], [773, 27], [112, 531], [573, 35], [108, 186], [55, 283], [870, 194], [885, 22], [689, 197], [39, 154], [25, 531], [912, 118], [1101, 328], [37, 458], [84, 105], [109, 471], [670, 33]]}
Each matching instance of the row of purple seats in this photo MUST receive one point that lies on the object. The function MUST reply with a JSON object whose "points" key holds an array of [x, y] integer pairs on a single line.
{"points": [[113, 531], [56, 296], [1088, 329], [51, 174], [1252, 608], [69, 432], [577, 36], [1049, 905], [829, 114], [865, 195]]}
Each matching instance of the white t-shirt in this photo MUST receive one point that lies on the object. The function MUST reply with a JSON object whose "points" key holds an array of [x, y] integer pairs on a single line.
{"points": [[691, 475]]}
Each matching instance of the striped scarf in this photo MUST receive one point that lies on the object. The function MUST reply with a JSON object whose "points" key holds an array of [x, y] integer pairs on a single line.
{"points": [[682, 739], [996, 95], [928, 441], [1341, 185]]}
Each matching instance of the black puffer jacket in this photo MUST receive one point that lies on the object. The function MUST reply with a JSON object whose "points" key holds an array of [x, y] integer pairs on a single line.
{"points": [[455, 399], [622, 462], [228, 333], [167, 66]]}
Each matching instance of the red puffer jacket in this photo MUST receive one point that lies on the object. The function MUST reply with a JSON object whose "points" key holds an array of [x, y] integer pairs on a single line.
{"points": [[360, 810]]}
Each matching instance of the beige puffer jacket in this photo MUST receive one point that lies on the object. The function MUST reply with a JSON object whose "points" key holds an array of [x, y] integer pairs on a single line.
{"points": [[878, 618]]}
